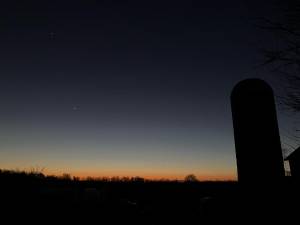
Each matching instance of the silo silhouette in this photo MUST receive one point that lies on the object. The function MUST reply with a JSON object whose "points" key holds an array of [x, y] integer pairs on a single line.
{"points": [[257, 141]]}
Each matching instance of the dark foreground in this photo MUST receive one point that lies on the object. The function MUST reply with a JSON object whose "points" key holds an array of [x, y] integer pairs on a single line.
{"points": [[37, 199]]}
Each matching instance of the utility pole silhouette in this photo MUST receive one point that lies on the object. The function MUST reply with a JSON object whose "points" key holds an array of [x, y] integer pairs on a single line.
{"points": [[257, 141]]}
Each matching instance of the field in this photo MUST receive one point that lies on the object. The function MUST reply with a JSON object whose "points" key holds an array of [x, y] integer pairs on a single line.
{"points": [[35, 197]]}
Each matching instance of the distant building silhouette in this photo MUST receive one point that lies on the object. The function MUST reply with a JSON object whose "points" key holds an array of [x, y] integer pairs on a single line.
{"points": [[294, 161], [258, 148]]}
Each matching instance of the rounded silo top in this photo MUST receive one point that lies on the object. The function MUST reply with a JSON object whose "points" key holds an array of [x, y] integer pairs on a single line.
{"points": [[253, 86]]}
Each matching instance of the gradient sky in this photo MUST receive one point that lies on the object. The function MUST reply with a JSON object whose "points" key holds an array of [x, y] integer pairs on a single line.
{"points": [[105, 88]]}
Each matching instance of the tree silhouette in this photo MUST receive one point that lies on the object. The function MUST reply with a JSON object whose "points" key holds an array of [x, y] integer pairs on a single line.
{"points": [[190, 178], [285, 57]]}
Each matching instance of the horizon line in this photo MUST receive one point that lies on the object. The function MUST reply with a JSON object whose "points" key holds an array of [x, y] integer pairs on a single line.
{"points": [[156, 177]]}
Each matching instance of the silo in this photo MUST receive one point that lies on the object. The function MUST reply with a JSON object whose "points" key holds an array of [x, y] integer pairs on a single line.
{"points": [[257, 142]]}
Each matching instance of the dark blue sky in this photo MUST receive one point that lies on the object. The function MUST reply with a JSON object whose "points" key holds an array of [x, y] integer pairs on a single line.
{"points": [[108, 88]]}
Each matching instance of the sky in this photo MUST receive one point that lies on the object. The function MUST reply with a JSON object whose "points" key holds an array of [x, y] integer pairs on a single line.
{"points": [[125, 88]]}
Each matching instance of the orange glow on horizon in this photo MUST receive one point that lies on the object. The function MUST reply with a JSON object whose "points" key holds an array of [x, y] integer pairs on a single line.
{"points": [[149, 176]]}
